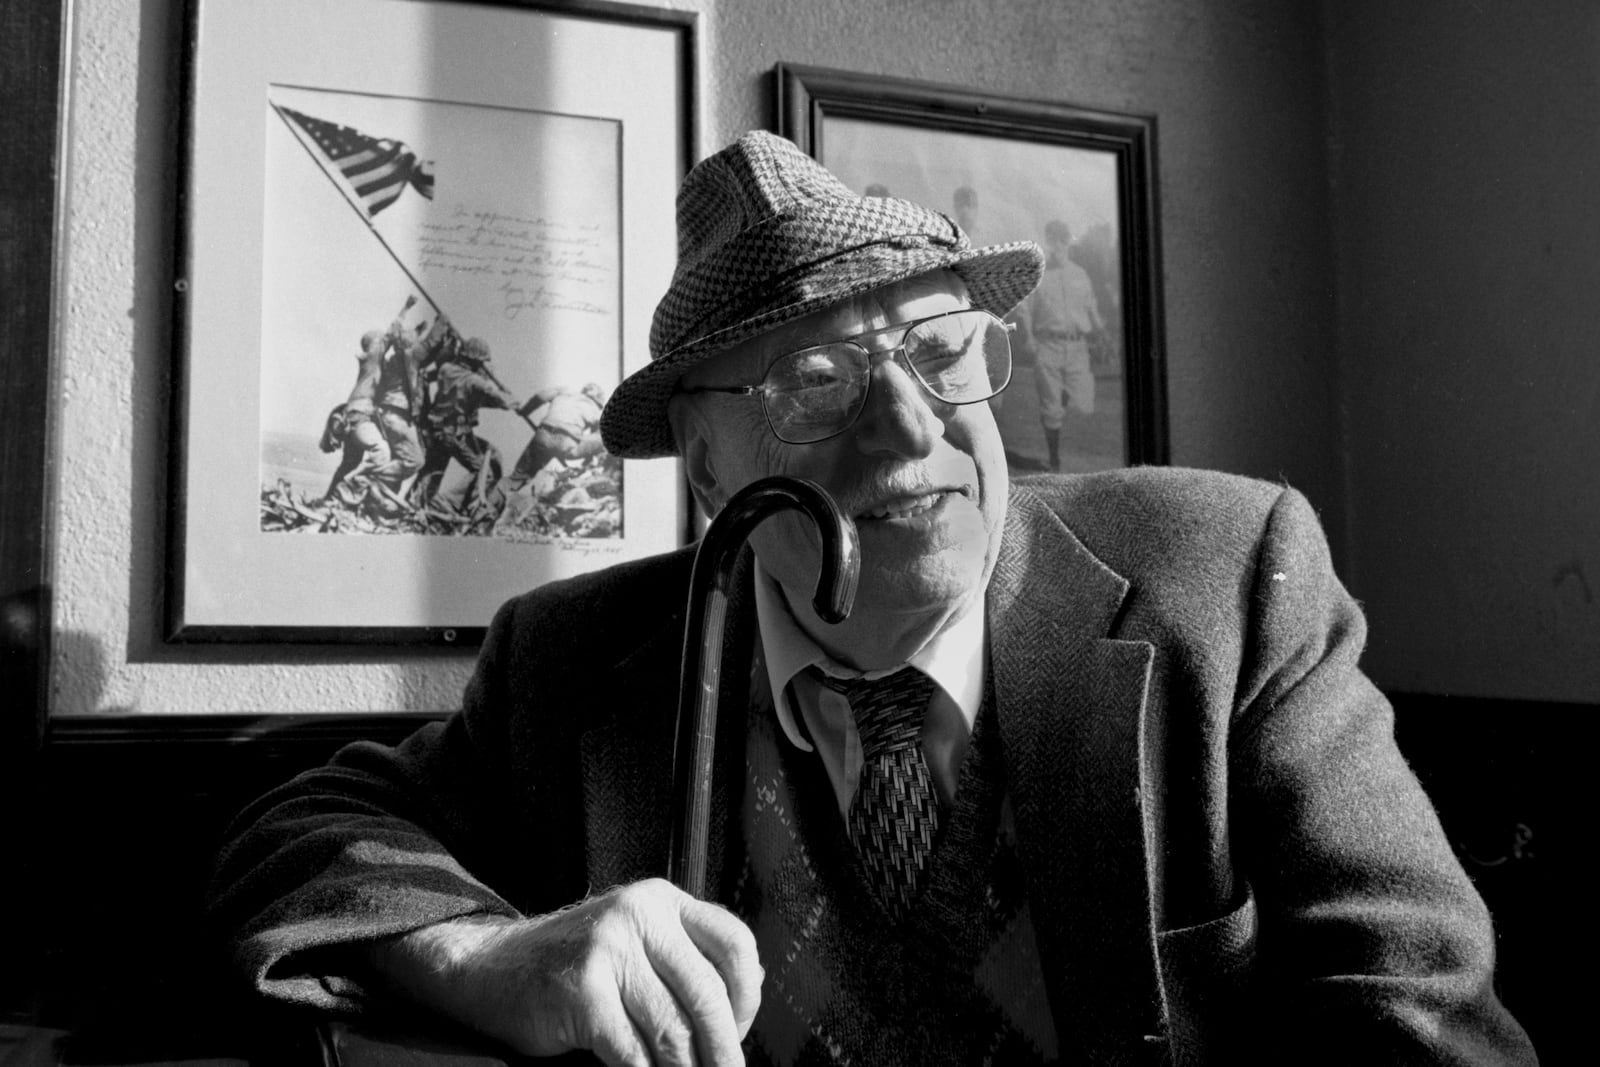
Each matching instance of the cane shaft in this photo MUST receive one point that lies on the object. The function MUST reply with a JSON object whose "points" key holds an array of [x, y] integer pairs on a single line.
{"points": [[705, 643]]}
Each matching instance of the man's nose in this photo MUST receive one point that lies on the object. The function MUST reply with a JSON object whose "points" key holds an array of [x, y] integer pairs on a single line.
{"points": [[899, 417]]}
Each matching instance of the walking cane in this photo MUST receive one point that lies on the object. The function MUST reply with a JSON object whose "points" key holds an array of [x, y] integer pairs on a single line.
{"points": [[704, 644]]}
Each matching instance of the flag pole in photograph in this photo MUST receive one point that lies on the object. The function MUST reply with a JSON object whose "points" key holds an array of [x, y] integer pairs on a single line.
{"points": [[369, 172]]}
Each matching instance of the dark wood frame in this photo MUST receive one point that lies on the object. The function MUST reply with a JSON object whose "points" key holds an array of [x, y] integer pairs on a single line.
{"points": [[808, 95], [30, 78], [177, 631]]}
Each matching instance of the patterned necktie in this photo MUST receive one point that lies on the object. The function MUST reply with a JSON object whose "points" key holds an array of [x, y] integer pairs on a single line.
{"points": [[895, 815]]}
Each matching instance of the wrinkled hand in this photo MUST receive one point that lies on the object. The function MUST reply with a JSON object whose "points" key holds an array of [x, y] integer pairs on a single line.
{"points": [[644, 974]]}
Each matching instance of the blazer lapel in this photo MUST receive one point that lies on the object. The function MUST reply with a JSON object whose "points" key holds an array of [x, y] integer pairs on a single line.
{"points": [[1070, 702]]}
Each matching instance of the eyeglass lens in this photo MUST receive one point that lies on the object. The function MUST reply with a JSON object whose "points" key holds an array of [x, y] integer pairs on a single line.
{"points": [[961, 358]]}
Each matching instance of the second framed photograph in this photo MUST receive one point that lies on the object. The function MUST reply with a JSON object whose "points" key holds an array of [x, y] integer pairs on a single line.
{"points": [[1088, 388], [422, 242]]}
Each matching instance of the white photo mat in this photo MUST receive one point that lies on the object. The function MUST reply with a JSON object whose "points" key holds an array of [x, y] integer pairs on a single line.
{"points": [[555, 142]]}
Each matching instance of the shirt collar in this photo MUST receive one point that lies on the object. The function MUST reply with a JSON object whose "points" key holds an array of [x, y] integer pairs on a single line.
{"points": [[953, 657]]}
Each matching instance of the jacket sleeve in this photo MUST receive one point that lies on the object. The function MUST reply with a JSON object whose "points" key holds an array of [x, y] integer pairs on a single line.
{"points": [[380, 841], [1373, 946]]}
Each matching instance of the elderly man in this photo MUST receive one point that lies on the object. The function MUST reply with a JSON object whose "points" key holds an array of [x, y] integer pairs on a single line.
{"points": [[1090, 775]]}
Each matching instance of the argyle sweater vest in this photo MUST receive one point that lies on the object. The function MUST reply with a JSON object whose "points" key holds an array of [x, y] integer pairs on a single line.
{"points": [[958, 983]]}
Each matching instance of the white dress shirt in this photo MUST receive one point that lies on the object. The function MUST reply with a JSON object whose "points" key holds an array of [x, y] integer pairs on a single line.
{"points": [[953, 658]]}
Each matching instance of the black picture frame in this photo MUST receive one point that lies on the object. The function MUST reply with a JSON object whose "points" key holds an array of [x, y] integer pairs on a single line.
{"points": [[816, 103], [266, 110], [28, 244]]}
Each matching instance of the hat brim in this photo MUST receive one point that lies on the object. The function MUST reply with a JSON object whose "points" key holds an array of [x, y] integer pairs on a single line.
{"points": [[634, 423]]}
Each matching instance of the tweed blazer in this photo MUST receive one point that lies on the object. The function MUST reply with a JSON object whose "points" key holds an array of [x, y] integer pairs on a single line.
{"points": [[1226, 856]]}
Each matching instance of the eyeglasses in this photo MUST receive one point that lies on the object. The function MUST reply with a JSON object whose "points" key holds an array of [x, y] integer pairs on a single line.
{"points": [[959, 357]]}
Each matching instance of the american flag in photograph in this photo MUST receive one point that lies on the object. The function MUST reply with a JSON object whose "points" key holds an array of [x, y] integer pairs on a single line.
{"points": [[377, 168]]}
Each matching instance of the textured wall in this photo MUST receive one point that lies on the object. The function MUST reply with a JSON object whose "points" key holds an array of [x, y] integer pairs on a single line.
{"points": [[1236, 87], [1466, 158]]}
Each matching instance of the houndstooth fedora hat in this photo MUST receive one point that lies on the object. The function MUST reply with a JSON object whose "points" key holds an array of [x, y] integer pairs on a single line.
{"points": [[765, 236]]}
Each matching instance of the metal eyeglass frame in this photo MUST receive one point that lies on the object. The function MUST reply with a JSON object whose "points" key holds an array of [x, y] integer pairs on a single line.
{"points": [[897, 352]]}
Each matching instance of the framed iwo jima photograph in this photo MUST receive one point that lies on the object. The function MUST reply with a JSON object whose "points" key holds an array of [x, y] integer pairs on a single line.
{"points": [[421, 243], [1088, 383]]}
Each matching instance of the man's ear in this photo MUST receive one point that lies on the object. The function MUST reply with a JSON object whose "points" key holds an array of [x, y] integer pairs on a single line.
{"points": [[691, 430]]}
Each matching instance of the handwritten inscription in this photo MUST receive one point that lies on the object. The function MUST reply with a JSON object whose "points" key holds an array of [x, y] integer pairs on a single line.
{"points": [[577, 547], [540, 263]]}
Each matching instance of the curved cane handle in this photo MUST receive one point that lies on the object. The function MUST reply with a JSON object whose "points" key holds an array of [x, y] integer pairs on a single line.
{"points": [[703, 643]]}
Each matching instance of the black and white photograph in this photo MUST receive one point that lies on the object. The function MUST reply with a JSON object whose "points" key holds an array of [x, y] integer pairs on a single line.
{"points": [[439, 334], [797, 533], [414, 265]]}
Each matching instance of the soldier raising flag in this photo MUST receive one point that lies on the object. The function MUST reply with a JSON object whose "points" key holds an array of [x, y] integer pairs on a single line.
{"points": [[412, 458]]}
